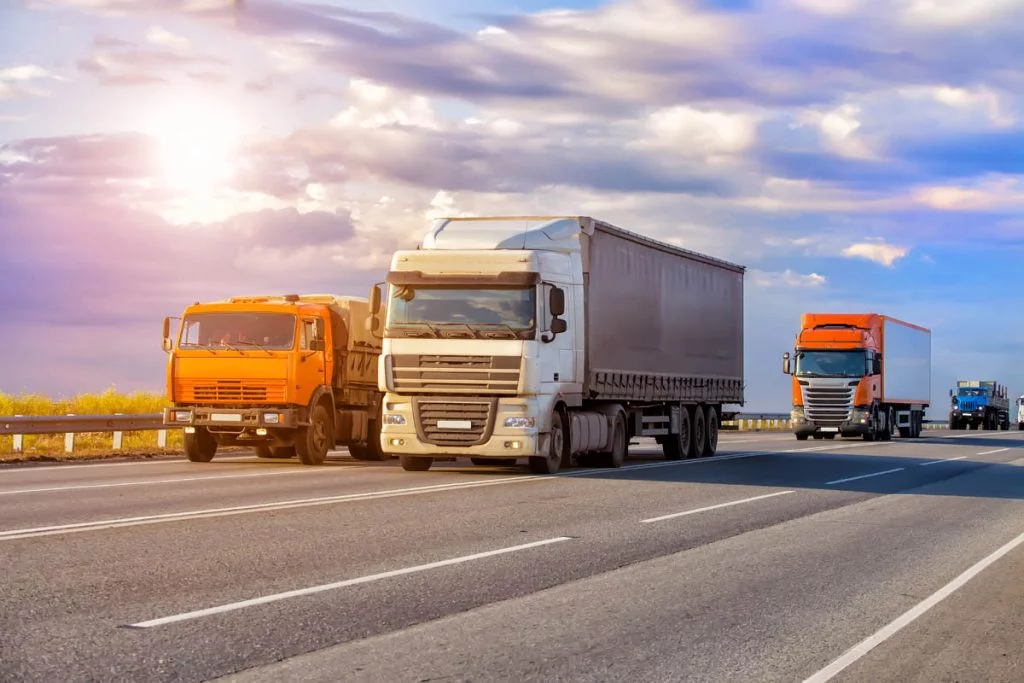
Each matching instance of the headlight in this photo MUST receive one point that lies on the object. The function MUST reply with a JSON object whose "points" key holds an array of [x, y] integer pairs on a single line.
{"points": [[394, 419], [797, 414], [520, 422], [272, 418], [183, 416]]}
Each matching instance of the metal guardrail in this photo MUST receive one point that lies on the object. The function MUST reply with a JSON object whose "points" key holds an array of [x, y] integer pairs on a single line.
{"points": [[19, 426], [69, 425]]}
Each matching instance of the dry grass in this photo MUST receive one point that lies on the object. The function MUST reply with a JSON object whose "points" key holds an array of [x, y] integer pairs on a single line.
{"points": [[86, 445]]}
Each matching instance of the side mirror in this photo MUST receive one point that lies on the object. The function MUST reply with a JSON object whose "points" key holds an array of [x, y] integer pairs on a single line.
{"points": [[558, 325], [167, 335], [376, 298], [556, 302], [787, 365], [950, 392], [317, 345]]}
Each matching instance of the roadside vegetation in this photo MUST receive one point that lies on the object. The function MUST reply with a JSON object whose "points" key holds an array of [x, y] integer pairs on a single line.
{"points": [[86, 445]]}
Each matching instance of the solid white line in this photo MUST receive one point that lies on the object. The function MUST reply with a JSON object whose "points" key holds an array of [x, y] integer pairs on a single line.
{"points": [[714, 507], [936, 462], [998, 450], [220, 609], [100, 525], [891, 629], [865, 476], [150, 482]]}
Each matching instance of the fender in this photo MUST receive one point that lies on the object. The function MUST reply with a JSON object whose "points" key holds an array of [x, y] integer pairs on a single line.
{"points": [[319, 394]]}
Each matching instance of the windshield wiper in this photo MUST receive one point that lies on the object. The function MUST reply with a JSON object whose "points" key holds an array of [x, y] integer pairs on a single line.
{"points": [[472, 332], [258, 346], [513, 331]]}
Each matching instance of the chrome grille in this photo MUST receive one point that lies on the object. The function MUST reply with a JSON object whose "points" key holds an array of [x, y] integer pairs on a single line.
{"points": [[455, 374], [828, 405], [454, 423]]}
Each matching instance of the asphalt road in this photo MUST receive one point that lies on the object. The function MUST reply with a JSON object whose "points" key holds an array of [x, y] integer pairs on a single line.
{"points": [[778, 560]]}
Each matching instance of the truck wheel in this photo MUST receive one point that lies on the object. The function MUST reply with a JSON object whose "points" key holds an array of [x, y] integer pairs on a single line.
{"points": [[549, 464], [802, 437], [415, 463], [371, 450], [263, 451], [886, 433], [711, 432], [679, 446], [312, 442], [200, 446], [700, 432], [619, 445]]}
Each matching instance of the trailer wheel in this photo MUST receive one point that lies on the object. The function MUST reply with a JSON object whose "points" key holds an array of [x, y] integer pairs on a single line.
{"points": [[549, 464], [313, 441], [415, 463], [200, 446], [679, 446], [619, 444], [263, 451], [711, 432], [700, 432], [890, 419]]}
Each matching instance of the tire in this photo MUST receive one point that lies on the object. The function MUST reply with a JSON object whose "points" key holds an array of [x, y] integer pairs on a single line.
{"points": [[700, 432], [279, 452], [886, 433], [200, 446], [415, 463], [619, 445], [710, 432], [284, 451], [549, 464], [371, 450], [263, 451], [680, 446], [313, 441], [801, 437]]}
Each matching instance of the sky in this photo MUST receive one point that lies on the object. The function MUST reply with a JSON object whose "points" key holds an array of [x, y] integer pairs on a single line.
{"points": [[855, 155]]}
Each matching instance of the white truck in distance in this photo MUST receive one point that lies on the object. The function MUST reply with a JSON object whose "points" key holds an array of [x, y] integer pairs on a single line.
{"points": [[556, 339], [1020, 413]]}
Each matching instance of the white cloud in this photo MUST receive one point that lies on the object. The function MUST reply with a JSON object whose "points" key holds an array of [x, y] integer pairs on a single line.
{"points": [[839, 130], [991, 192], [689, 131], [879, 252], [18, 81], [161, 36], [374, 106], [786, 278]]}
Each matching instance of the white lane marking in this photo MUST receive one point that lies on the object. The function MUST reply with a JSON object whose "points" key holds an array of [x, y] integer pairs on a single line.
{"points": [[893, 627], [936, 462], [151, 482], [230, 607], [99, 525], [714, 507], [864, 476], [998, 450]]}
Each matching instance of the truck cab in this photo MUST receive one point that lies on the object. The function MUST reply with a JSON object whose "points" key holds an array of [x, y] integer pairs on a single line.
{"points": [[287, 375], [1020, 413]]}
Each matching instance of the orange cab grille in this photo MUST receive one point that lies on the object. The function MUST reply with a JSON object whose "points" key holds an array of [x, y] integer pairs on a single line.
{"points": [[231, 391]]}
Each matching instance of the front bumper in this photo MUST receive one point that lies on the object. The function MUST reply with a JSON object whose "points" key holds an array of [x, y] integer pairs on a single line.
{"points": [[859, 424], [233, 419], [509, 430]]}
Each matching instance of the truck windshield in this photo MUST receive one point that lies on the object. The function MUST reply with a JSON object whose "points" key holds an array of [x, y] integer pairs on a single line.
{"points": [[830, 363], [502, 311], [972, 392], [238, 330]]}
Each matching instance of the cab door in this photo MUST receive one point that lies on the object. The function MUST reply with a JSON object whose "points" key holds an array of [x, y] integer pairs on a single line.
{"points": [[312, 367]]}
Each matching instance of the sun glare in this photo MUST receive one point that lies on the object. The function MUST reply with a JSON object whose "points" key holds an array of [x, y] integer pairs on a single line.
{"points": [[196, 147]]}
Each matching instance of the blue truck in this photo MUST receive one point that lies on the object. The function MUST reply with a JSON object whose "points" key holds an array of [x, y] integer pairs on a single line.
{"points": [[979, 404]]}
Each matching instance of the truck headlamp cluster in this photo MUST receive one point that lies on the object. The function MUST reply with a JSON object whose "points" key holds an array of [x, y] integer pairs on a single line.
{"points": [[520, 422], [272, 418], [182, 416], [393, 419]]}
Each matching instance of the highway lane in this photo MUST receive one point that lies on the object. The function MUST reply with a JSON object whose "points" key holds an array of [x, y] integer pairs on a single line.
{"points": [[383, 555]]}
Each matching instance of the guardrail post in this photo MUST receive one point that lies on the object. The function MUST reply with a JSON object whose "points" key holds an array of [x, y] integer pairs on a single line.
{"points": [[118, 437], [18, 442], [161, 438], [69, 439]]}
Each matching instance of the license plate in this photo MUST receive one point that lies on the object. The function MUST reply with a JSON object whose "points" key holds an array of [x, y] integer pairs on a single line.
{"points": [[225, 417], [455, 424], [831, 430]]}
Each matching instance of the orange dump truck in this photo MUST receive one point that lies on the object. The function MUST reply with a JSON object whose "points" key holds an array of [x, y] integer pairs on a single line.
{"points": [[859, 374], [288, 375]]}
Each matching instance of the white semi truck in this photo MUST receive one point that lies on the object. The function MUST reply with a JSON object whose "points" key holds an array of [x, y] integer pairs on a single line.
{"points": [[1020, 413], [556, 339]]}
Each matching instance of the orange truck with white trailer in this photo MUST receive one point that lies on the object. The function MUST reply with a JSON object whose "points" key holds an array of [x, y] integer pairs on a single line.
{"points": [[288, 375], [859, 374]]}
